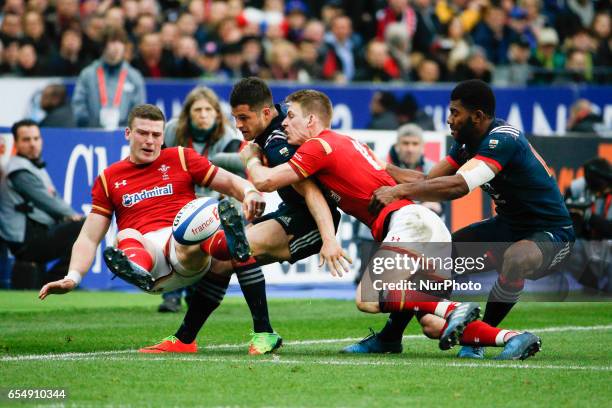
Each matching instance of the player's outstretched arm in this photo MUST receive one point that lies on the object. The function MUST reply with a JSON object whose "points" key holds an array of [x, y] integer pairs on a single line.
{"points": [[472, 174], [253, 203], [83, 254], [331, 252]]}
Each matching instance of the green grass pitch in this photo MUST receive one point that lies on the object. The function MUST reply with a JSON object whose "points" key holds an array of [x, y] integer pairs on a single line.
{"points": [[85, 343]]}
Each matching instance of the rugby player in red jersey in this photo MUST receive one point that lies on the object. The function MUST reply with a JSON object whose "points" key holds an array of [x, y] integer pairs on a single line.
{"points": [[145, 191], [349, 173]]}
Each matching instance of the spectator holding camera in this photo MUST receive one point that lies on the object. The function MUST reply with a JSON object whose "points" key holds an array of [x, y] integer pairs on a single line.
{"points": [[589, 200]]}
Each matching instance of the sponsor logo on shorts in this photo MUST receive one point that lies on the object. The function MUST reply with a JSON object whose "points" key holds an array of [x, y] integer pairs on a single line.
{"points": [[130, 200]]}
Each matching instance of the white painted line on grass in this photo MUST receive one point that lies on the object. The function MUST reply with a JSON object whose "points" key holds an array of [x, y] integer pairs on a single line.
{"points": [[96, 354], [276, 359]]}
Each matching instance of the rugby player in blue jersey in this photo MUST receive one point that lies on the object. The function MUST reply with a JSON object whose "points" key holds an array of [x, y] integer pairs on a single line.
{"points": [[531, 214]]}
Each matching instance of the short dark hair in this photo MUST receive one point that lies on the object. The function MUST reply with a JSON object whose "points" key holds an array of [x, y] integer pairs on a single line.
{"points": [[22, 123], [114, 34], [313, 102], [388, 100], [475, 94], [145, 111], [251, 91], [597, 172]]}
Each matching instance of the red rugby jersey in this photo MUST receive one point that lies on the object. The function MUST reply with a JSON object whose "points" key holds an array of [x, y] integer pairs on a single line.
{"points": [[147, 197], [346, 169]]}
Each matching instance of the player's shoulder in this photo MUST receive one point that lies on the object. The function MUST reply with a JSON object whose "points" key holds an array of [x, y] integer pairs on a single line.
{"points": [[328, 140], [502, 130], [117, 167]]}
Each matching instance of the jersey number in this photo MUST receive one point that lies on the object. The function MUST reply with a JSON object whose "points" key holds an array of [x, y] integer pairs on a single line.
{"points": [[364, 152]]}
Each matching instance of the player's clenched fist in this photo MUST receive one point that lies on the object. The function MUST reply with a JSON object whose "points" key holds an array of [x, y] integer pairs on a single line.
{"points": [[250, 151], [382, 197]]}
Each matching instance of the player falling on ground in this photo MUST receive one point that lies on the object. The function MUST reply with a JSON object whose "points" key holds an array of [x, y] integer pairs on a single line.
{"points": [[290, 233], [531, 219], [145, 191], [346, 169]]}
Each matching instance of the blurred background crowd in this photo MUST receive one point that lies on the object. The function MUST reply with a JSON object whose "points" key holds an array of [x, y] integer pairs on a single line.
{"points": [[513, 42]]}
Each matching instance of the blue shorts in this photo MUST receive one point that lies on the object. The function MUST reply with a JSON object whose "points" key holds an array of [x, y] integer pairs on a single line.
{"points": [[555, 242]]}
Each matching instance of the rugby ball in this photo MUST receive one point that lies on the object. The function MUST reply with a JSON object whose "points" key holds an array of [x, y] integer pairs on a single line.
{"points": [[196, 221]]}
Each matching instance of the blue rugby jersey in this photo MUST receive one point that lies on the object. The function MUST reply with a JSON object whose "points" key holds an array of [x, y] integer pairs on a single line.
{"points": [[525, 192]]}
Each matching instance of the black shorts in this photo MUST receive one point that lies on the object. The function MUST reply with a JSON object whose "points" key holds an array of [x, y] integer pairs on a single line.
{"points": [[297, 222], [555, 242]]}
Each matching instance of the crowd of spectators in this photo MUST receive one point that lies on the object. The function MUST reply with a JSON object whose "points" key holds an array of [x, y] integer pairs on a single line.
{"points": [[504, 41]]}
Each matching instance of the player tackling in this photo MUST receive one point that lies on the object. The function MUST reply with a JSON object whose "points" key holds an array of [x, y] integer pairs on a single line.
{"points": [[350, 174]]}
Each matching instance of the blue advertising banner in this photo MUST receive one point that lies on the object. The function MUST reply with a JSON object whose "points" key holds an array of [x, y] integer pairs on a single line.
{"points": [[536, 110]]}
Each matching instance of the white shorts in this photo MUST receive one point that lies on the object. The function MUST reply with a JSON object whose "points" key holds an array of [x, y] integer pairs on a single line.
{"points": [[416, 223], [167, 271], [415, 234]]}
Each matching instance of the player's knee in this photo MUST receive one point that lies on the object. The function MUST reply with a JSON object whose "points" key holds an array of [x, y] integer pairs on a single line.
{"points": [[129, 233], [431, 325], [367, 307], [520, 260]]}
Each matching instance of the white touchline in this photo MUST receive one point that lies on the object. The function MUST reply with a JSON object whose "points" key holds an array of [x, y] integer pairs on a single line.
{"points": [[114, 354], [276, 359]]}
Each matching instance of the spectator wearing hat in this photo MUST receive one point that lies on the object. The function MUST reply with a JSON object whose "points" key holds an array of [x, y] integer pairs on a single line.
{"points": [[519, 23], [210, 60], [108, 88], [296, 13], [547, 59]]}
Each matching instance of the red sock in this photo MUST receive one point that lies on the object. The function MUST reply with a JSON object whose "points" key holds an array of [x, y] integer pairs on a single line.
{"points": [[136, 253], [479, 333], [216, 246], [403, 300]]}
